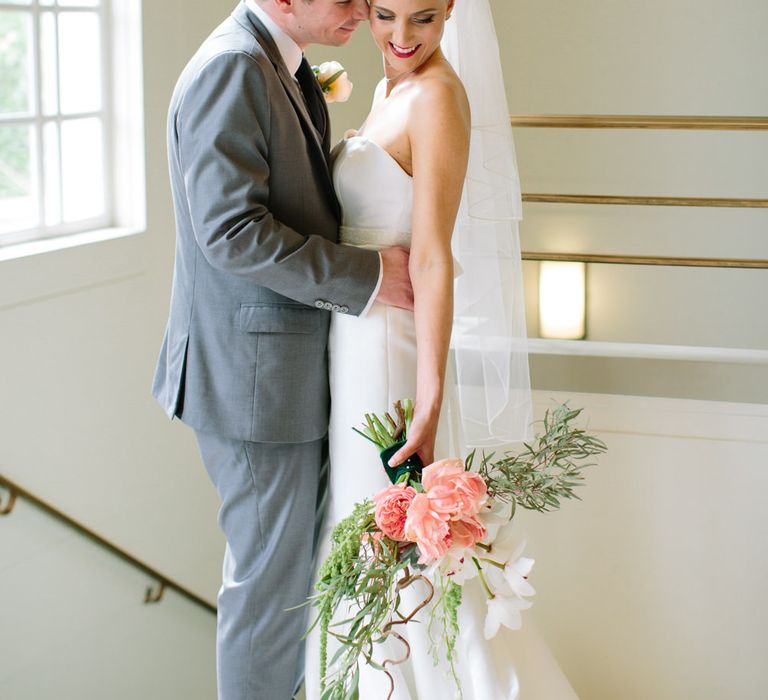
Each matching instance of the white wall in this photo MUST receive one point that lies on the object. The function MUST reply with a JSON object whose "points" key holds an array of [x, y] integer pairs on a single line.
{"points": [[654, 57], [653, 586], [75, 626], [80, 330]]}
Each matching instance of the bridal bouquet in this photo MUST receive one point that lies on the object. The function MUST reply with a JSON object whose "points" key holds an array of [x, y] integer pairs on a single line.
{"points": [[442, 525]]}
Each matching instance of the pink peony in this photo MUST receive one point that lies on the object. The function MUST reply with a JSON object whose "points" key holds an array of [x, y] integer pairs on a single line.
{"points": [[444, 500], [433, 551], [441, 473], [392, 509], [427, 529], [472, 493], [455, 492], [466, 532]]}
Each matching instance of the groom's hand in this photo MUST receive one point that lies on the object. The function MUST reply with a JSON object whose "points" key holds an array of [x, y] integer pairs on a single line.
{"points": [[395, 287]]}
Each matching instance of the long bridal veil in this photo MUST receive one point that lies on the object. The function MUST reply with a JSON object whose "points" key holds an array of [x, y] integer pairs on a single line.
{"points": [[489, 337]]}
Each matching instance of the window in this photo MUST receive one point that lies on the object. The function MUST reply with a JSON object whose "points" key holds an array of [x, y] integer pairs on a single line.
{"points": [[57, 157]]}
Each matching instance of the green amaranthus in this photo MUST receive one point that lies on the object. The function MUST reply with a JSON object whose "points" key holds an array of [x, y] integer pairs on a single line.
{"points": [[363, 575]]}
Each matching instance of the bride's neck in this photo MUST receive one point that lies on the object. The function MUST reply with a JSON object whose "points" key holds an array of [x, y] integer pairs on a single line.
{"points": [[394, 79]]}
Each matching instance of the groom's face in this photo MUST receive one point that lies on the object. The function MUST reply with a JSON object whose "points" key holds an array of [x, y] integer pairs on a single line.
{"points": [[329, 22]]}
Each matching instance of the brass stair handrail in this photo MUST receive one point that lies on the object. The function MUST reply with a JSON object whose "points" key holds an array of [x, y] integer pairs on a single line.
{"points": [[151, 595], [646, 201], [732, 263], [626, 121]]}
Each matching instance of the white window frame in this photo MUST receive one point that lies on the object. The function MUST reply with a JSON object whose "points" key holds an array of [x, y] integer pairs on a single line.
{"points": [[123, 137]]}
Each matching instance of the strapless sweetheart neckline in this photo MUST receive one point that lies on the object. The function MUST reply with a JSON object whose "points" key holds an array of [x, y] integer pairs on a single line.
{"points": [[383, 150]]}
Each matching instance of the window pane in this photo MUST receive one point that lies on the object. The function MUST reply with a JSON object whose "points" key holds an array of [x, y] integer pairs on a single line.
{"points": [[82, 169], [18, 201], [80, 62], [52, 168], [50, 95], [79, 3], [15, 62]]}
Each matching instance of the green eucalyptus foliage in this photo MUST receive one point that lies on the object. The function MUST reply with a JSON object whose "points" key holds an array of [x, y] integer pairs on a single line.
{"points": [[361, 578], [548, 469]]}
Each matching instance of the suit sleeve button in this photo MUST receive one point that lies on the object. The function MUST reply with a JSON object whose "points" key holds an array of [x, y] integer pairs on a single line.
{"points": [[344, 309], [319, 303], [328, 306]]}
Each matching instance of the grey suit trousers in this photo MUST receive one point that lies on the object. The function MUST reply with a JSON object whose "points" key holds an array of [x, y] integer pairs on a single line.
{"points": [[272, 498]]}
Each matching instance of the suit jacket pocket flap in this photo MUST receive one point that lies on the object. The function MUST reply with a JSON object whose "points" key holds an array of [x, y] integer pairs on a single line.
{"points": [[280, 318]]}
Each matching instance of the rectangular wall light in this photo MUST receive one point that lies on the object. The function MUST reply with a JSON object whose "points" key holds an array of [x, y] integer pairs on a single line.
{"points": [[562, 300]]}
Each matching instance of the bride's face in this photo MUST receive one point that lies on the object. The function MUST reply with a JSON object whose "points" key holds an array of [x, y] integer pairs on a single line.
{"points": [[408, 31]]}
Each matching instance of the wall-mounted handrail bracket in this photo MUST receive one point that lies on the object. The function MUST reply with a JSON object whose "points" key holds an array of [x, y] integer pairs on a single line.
{"points": [[8, 507], [154, 595], [151, 595]]}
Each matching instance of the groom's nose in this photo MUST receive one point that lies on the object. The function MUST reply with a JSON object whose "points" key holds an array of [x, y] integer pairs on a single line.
{"points": [[360, 10]]}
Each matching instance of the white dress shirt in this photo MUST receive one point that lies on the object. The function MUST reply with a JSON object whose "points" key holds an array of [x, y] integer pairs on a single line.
{"points": [[289, 50]]}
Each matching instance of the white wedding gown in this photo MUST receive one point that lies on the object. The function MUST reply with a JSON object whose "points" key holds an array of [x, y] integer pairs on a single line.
{"points": [[373, 364]]}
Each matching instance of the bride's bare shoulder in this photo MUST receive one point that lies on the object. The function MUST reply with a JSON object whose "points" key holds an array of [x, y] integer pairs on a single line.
{"points": [[440, 100]]}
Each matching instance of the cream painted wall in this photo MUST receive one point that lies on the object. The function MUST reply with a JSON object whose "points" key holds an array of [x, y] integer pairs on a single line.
{"points": [[81, 328], [653, 585], [654, 57], [75, 626]]}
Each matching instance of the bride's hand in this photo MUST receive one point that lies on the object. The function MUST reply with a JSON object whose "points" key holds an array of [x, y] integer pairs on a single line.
{"points": [[421, 440]]}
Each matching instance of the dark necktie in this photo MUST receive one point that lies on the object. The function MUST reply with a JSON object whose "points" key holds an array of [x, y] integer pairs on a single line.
{"points": [[312, 96]]}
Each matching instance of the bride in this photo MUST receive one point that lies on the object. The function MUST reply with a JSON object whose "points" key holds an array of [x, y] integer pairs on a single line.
{"points": [[432, 169]]}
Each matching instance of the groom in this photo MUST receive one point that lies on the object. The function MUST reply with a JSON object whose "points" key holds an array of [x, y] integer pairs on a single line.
{"points": [[257, 274]]}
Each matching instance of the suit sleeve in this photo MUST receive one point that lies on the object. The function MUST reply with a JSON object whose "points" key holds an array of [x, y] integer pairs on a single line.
{"points": [[222, 128]]}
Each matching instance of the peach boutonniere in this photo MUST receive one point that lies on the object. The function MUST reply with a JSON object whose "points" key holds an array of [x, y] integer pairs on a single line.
{"points": [[334, 81]]}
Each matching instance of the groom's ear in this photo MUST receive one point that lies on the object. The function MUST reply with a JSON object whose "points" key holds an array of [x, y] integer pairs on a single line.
{"points": [[284, 6]]}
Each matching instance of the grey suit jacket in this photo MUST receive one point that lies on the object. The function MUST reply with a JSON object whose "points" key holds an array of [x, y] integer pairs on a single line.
{"points": [[244, 354]]}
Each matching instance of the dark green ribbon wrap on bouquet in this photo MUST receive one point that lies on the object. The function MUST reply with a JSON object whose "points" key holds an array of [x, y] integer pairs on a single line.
{"points": [[411, 465]]}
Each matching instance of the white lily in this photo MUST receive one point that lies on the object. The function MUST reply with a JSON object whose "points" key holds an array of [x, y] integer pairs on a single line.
{"points": [[494, 515], [505, 545], [513, 577], [458, 565], [505, 573], [504, 610]]}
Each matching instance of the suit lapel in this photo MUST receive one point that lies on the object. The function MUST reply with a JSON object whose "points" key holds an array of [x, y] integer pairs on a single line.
{"points": [[317, 145]]}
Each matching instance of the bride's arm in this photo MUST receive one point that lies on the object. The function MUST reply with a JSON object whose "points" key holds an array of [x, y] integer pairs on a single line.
{"points": [[438, 131]]}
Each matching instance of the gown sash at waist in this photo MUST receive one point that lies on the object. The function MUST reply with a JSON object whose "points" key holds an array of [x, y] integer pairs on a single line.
{"points": [[373, 238]]}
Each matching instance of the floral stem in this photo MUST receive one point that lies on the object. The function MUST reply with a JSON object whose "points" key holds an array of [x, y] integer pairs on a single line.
{"points": [[497, 564], [484, 546], [488, 590]]}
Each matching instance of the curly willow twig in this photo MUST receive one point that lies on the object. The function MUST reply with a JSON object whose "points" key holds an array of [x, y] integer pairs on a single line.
{"points": [[387, 630]]}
